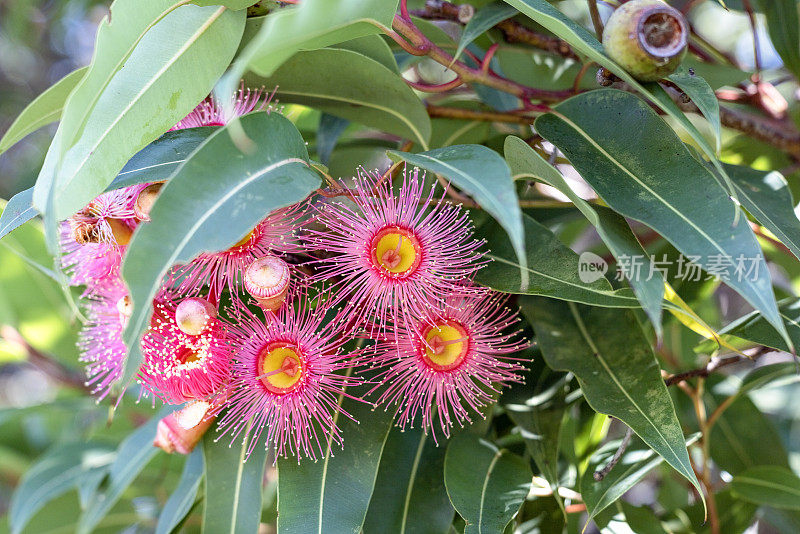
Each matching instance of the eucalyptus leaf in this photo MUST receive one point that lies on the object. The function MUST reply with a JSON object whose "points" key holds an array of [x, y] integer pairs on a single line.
{"points": [[616, 368], [554, 270], [766, 195], [753, 327], [230, 191], [133, 454], [183, 498], [232, 501], [46, 108], [485, 18], [637, 460], [782, 23], [768, 485], [328, 133], [140, 101], [698, 90], [312, 24], [676, 195], [486, 485], [157, 161], [333, 80], [17, 212], [611, 227], [483, 174], [409, 495], [64, 467], [331, 495]]}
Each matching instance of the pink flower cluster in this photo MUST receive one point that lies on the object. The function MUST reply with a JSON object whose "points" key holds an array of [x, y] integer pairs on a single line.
{"points": [[368, 295]]}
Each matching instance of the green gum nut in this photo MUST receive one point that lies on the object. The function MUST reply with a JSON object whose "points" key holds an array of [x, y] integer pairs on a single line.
{"points": [[647, 38]]}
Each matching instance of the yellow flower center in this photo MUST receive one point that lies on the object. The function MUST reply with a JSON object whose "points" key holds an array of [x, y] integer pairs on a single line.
{"points": [[446, 346], [396, 251], [281, 366]]}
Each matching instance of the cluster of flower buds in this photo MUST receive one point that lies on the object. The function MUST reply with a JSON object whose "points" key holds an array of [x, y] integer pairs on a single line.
{"points": [[374, 291]]}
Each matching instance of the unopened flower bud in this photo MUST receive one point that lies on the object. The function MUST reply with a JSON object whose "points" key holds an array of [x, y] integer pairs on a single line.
{"points": [[267, 280], [144, 202], [647, 38], [181, 430], [192, 315]]}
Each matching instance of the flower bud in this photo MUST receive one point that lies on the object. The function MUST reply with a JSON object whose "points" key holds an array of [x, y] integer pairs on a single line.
{"points": [[647, 38], [267, 280], [144, 202], [181, 430], [192, 315]]}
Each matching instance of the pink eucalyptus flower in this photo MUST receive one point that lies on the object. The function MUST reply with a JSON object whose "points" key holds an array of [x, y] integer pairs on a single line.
{"points": [[107, 308], [225, 269], [285, 380], [180, 367], [211, 112], [94, 239], [395, 252], [449, 361]]}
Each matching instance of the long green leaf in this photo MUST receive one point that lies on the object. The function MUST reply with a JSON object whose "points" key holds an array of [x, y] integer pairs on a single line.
{"points": [[17, 212], [140, 101], [585, 43], [182, 499], [232, 503], [332, 80], [46, 108], [230, 191], [64, 467], [312, 24], [676, 195], [782, 22], [611, 227], [133, 454], [485, 18], [482, 173], [552, 267], [331, 495], [616, 368], [768, 485], [486, 485], [698, 90], [409, 495], [753, 327], [767, 197]]}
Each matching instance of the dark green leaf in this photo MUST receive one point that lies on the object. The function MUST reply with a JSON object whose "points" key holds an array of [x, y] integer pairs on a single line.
{"points": [[46, 108], [753, 327], [140, 102], [782, 22], [182, 499], [553, 269], [585, 43], [735, 516], [330, 128], [374, 47], [133, 454], [331, 495], [486, 485], [698, 90], [333, 80], [658, 182], [768, 485], [231, 192], [233, 485], [17, 212], [64, 467], [616, 368], [159, 159], [312, 24], [482, 20], [743, 437], [768, 375], [409, 495], [482, 173], [767, 197], [611, 227], [635, 463]]}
